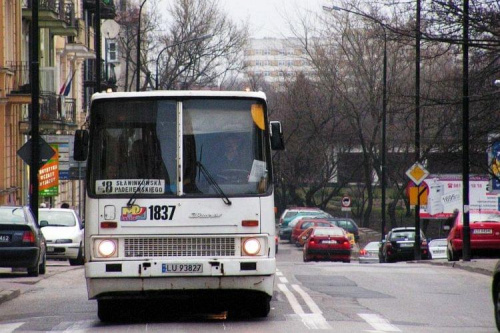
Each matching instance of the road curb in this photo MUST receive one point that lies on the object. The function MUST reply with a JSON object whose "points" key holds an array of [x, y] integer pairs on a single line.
{"points": [[9, 294], [459, 265]]}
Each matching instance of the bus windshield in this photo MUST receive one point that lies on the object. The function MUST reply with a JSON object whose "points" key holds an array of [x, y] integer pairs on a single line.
{"points": [[170, 147]]}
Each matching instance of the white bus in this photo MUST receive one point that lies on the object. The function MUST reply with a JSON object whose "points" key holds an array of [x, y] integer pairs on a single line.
{"points": [[167, 213]]}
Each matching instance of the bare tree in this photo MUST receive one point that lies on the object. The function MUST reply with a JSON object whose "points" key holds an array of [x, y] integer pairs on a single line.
{"points": [[185, 60]]}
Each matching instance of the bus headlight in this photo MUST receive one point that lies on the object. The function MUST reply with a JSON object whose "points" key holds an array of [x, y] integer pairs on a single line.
{"points": [[251, 246], [106, 248]]}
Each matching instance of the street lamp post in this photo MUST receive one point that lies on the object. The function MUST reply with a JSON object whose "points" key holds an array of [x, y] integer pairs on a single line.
{"points": [[172, 45], [384, 107], [138, 81]]}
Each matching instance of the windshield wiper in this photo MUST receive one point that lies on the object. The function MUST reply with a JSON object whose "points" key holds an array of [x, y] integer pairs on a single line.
{"points": [[131, 201], [212, 182]]}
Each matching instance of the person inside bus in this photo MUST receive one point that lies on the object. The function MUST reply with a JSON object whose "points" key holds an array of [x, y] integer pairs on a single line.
{"points": [[234, 163], [137, 161]]}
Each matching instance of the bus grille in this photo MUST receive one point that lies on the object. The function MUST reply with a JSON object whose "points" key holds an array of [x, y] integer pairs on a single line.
{"points": [[180, 247]]}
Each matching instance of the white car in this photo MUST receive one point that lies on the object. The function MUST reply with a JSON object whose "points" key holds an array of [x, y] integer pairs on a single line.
{"points": [[437, 248], [63, 231]]}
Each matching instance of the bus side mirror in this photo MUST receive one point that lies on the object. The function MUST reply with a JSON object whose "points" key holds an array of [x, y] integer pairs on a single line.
{"points": [[81, 145], [276, 136]]}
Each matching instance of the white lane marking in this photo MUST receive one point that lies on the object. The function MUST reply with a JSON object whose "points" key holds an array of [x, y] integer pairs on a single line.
{"points": [[8, 328], [378, 323], [309, 301], [315, 321], [291, 299], [79, 325], [283, 280], [279, 273]]}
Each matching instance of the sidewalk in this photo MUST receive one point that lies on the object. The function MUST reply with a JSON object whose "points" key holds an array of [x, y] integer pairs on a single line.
{"points": [[482, 266]]}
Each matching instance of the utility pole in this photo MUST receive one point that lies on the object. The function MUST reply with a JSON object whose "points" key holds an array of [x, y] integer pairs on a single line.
{"points": [[97, 46], [417, 251], [138, 47], [465, 133], [35, 110]]}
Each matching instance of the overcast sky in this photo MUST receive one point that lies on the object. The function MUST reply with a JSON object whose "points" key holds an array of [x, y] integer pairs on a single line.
{"points": [[267, 18]]}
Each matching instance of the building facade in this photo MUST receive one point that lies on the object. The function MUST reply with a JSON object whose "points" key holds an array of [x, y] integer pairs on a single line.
{"points": [[67, 81], [275, 60]]}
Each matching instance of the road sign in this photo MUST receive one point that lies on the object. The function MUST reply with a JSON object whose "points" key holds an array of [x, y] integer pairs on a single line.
{"points": [[417, 173], [46, 152], [346, 201]]}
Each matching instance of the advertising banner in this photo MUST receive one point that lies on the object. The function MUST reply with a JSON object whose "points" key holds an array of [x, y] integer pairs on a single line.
{"points": [[48, 176], [445, 195]]}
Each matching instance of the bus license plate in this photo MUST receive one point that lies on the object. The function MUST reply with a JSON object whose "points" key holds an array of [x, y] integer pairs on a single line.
{"points": [[182, 268]]}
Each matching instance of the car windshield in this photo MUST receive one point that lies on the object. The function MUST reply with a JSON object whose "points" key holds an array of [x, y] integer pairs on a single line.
{"points": [[403, 235], [328, 232], [57, 218], [12, 215], [484, 218], [438, 242], [372, 246]]}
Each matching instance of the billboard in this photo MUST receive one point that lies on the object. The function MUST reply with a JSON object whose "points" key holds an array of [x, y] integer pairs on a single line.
{"points": [[445, 195], [48, 176]]}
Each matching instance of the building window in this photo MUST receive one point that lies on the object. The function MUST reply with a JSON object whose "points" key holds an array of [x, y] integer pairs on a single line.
{"points": [[111, 50]]}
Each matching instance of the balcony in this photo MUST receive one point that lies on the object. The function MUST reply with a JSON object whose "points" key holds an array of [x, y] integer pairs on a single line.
{"points": [[56, 15], [20, 93], [57, 112], [78, 45], [108, 11]]}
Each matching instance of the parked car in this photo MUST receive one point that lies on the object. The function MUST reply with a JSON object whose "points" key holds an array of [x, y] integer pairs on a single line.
{"points": [[399, 245], [326, 243], [63, 231], [495, 289], [347, 224], [303, 224], [369, 253], [437, 248], [484, 235], [285, 231], [289, 213], [22, 244]]}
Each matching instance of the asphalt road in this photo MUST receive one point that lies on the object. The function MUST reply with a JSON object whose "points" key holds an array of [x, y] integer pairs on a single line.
{"points": [[399, 297]]}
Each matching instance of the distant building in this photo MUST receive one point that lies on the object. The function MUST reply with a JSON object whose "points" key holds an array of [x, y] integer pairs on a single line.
{"points": [[275, 60]]}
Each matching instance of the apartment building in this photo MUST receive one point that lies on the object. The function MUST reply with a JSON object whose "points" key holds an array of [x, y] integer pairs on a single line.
{"points": [[275, 60], [67, 81]]}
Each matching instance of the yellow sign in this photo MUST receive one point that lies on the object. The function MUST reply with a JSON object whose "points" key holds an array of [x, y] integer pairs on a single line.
{"points": [[413, 192], [417, 173]]}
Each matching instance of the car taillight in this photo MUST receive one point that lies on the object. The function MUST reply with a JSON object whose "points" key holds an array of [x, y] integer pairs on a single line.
{"points": [[311, 241], [28, 237], [362, 252]]}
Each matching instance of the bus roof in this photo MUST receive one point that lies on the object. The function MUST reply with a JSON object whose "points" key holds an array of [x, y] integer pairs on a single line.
{"points": [[180, 93]]}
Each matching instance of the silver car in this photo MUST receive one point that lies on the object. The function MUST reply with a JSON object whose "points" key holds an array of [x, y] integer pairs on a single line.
{"points": [[369, 253], [437, 248], [63, 231]]}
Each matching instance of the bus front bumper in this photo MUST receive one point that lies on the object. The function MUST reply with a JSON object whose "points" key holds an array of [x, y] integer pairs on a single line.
{"points": [[135, 278]]}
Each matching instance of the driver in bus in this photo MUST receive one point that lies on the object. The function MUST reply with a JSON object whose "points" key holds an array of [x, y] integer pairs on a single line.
{"points": [[233, 154]]}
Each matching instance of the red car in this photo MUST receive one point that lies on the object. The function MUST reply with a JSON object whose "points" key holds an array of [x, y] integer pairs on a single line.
{"points": [[326, 243], [303, 224], [484, 235]]}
